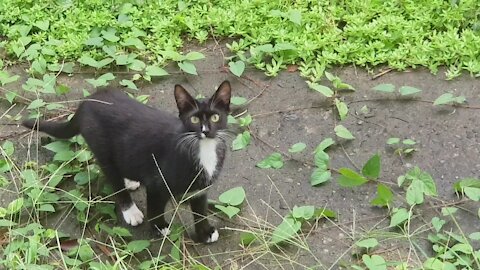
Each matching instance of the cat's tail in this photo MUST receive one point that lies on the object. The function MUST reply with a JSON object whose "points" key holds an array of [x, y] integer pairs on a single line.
{"points": [[61, 130]]}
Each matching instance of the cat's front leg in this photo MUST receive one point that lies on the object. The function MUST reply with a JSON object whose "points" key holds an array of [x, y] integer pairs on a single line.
{"points": [[206, 233], [156, 202]]}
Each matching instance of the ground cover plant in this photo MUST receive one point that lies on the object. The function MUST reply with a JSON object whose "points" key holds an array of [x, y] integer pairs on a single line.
{"points": [[133, 42]]}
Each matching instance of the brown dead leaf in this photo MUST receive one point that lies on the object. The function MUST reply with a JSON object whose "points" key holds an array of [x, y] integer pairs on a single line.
{"points": [[292, 68]]}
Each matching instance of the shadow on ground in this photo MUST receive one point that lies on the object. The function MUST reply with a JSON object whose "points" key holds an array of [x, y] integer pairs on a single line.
{"points": [[286, 112]]}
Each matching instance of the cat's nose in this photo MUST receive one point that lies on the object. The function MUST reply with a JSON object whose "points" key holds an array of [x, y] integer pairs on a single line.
{"points": [[205, 129]]}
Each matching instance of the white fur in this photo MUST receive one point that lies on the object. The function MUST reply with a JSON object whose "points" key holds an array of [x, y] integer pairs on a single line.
{"points": [[208, 155], [213, 237], [133, 215], [131, 185], [165, 231]]}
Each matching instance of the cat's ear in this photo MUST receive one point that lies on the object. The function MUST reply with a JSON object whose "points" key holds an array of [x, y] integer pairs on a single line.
{"points": [[185, 101], [222, 96]]}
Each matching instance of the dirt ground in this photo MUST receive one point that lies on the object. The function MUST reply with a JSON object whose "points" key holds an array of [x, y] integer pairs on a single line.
{"points": [[286, 112]]}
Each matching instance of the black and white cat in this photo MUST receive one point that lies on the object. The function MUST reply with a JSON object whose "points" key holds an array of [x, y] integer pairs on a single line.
{"points": [[134, 143]]}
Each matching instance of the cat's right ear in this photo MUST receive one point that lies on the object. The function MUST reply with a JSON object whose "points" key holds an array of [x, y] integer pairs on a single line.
{"points": [[185, 102]]}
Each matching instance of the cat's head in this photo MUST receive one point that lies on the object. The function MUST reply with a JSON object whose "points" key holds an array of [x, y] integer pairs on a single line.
{"points": [[204, 117]]}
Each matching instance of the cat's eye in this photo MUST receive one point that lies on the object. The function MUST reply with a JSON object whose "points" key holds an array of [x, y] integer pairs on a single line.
{"points": [[214, 118], [194, 120]]}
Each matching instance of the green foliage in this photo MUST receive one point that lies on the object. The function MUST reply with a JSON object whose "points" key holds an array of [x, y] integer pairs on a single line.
{"points": [[403, 148], [469, 187], [343, 132], [274, 161], [449, 98], [230, 200], [298, 147], [237, 67], [241, 141], [418, 183]]}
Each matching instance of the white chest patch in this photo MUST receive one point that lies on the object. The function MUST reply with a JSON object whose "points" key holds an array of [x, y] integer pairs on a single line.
{"points": [[207, 155]]}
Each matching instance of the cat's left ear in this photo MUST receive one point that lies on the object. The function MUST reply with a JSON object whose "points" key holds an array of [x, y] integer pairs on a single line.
{"points": [[222, 96]]}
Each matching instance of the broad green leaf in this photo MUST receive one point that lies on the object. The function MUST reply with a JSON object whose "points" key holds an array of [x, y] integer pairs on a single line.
{"points": [[8, 148], [295, 16], [234, 196], [228, 210], [46, 208], [137, 65], [37, 103], [193, 56], [94, 41], [384, 196], [474, 236], [122, 232], [238, 100], [64, 155], [408, 90], [188, 67], [320, 176], [43, 25], [415, 193], [374, 262], [342, 109], [367, 243], [409, 142], [15, 206], [372, 168], [110, 35], [237, 67], [447, 211], [241, 141], [7, 223], [324, 144], [386, 87], [155, 71], [245, 121], [135, 42], [430, 188], [472, 193], [286, 230], [324, 90], [246, 238], [138, 245], [275, 161], [438, 264], [102, 63], [349, 178], [82, 178], [391, 141], [322, 160], [88, 61], [330, 76], [466, 182], [343, 132], [128, 84], [399, 216], [298, 147], [437, 223], [58, 146], [306, 212], [444, 99], [323, 212]]}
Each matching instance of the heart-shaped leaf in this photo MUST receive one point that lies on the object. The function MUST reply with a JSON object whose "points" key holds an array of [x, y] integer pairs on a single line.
{"points": [[237, 67]]}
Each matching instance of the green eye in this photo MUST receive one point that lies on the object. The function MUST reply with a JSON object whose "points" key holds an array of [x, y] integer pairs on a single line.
{"points": [[214, 118], [194, 120]]}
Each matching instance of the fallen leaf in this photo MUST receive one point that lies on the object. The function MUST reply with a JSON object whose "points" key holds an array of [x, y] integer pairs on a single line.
{"points": [[292, 68]]}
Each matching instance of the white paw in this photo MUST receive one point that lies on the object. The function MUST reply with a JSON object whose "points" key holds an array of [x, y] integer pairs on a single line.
{"points": [[133, 215], [165, 231], [213, 237], [131, 185]]}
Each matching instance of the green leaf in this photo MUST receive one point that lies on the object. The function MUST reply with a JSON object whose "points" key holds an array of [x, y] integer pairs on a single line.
{"points": [[82, 178], [138, 245], [408, 90], [375, 262], [234, 196], [386, 87], [237, 67], [415, 193], [122, 232], [246, 238], [343, 132], [324, 90], [349, 178], [324, 145], [295, 16], [286, 230], [94, 41], [110, 35], [102, 63], [128, 84], [8, 148], [371, 169], [399, 216], [10, 96], [323, 212], [474, 236], [384, 196], [447, 211], [409, 142], [43, 25], [367, 243], [88, 61], [321, 160], [37, 103], [15, 206], [437, 223], [391, 141], [303, 212], [7, 223], [245, 121], [193, 56], [298, 147], [188, 67], [228, 210], [275, 161], [242, 141], [472, 193], [64, 156], [444, 99], [46, 208], [137, 65], [135, 42], [58, 146], [155, 71], [330, 76], [342, 109], [238, 100]]}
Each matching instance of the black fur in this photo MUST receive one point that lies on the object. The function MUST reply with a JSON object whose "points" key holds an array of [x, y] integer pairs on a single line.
{"points": [[135, 141]]}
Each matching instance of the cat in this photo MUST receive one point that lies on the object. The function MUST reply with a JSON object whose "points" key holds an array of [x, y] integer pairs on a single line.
{"points": [[136, 144]]}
